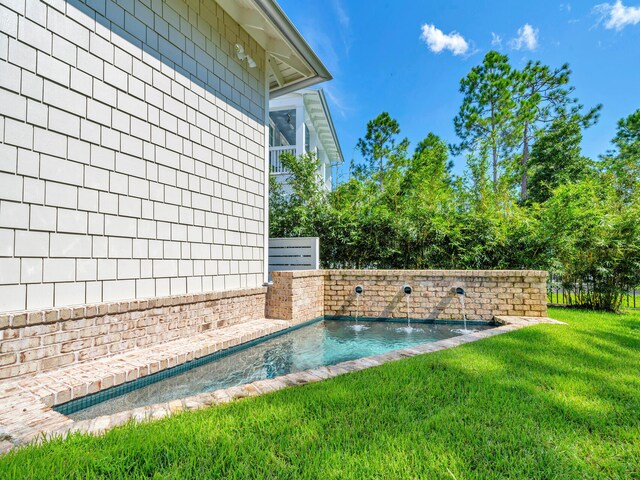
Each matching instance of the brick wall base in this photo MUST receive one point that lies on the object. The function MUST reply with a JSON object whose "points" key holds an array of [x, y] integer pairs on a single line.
{"points": [[38, 341], [295, 295]]}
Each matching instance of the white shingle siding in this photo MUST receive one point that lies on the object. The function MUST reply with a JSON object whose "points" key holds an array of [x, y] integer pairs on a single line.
{"points": [[131, 152]]}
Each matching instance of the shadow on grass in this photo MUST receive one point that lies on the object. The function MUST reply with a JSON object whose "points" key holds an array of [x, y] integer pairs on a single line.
{"points": [[542, 402]]}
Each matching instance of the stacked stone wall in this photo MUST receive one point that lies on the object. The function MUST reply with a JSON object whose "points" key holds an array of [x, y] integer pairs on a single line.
{"points": [[488, 293]]}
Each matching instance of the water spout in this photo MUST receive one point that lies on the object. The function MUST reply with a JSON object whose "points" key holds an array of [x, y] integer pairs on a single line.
{"points": [[358, 291], [461, 295], [407, 294]]}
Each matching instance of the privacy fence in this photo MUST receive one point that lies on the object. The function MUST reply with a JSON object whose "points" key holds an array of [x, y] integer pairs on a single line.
{"points": [[566, 293], [301, 253]]}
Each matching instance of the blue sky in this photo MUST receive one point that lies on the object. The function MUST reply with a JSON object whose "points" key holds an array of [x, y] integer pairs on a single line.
{"points": [[381, 61]]}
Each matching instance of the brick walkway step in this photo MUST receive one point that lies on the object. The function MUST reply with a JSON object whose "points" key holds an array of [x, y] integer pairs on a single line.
{"points": [[27, 401]]}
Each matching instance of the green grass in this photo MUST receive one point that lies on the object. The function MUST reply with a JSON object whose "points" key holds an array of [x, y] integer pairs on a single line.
{"points": [[543, 402]]}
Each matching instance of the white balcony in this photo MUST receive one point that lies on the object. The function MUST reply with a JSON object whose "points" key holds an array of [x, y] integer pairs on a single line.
{"points": [[274, 157], [300, 123]]}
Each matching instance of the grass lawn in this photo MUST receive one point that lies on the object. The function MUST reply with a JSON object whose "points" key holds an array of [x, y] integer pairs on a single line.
{"points": [[543, 402]]}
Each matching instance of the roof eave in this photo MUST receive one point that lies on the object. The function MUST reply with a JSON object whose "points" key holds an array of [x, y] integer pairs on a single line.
{"points": [[327, 112], [296, 86], [279, 19]]}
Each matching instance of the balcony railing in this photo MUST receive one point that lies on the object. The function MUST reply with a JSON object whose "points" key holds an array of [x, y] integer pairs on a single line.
{"points": [[274, 157]]}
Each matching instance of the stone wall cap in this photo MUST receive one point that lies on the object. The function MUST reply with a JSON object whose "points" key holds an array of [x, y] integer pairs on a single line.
{"points": [[459, 273], [410, 273], [298, 273]]}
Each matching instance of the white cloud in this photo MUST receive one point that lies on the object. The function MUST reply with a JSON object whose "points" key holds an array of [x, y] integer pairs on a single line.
{"points": [[345, 24], [527, 38], [343, 16], [496, 40], [617, 16], [437, 40]]}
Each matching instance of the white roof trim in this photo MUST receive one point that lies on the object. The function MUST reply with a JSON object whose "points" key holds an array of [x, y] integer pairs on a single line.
{"points": [[292, 64], [325, 129]]}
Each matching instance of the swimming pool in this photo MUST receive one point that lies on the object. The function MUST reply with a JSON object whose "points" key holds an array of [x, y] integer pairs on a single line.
{"points": [[317, 343]]}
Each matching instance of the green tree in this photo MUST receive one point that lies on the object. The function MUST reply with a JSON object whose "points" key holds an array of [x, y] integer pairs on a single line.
{"points": [[556, 158], [427, 202], [485, 122], [542, 96], [380, 145], [295, 210], [432, 157], [595, 242], [624, 161]]}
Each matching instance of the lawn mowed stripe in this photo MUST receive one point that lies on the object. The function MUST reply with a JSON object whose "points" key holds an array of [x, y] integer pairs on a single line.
{"points": [[543, 402]]}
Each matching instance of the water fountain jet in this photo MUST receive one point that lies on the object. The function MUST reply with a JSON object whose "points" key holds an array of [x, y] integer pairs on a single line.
{"points": [[461, 295], [358, 291], [408, 329]]}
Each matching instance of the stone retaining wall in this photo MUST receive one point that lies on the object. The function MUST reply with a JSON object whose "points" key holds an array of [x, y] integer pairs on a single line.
{"points": [[488, 293], [38, 341], [296, 296]]}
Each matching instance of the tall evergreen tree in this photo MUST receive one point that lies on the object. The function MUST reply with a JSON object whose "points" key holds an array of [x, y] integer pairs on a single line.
{"points": [[556, 158], [430, 167], [486, 118], [624, 161], [380, 144], [542, 96]]}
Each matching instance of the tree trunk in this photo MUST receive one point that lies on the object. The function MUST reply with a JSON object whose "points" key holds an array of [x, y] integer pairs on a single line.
{"points": [[524, 192], [381, 176], [494, 148], [495, 168]]}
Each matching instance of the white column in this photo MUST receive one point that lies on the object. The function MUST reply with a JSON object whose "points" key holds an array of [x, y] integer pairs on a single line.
{"points": [[313, 141], [300, 127], [267, 175]]}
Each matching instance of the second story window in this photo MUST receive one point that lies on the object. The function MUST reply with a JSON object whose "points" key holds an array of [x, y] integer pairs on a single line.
{"points": [[282, 128]]}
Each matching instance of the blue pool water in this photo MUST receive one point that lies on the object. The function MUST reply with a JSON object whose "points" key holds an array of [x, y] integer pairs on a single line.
{"points": [[325, 342]]}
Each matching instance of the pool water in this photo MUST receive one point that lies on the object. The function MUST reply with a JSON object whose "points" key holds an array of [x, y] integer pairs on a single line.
{"points": [[325, 342]]}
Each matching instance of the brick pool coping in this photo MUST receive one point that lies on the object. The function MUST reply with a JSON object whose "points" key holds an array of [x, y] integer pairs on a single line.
{"points": [[30, 417], [26, 402]]}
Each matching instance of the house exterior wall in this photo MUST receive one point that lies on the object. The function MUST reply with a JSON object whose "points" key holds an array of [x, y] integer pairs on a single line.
{"points": [[132, 154]]}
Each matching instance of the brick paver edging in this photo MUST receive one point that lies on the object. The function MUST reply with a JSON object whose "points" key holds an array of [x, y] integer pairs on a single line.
{"points": [[153, 412]]}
